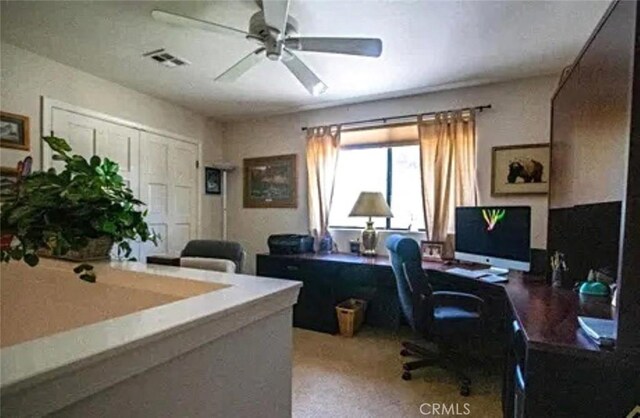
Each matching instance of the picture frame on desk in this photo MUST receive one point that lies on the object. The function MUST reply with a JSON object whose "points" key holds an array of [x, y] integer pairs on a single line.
{"points": [[432, 250]]}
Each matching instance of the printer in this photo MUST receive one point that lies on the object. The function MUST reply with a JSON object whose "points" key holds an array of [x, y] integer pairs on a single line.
{"points": [[290, 244]]}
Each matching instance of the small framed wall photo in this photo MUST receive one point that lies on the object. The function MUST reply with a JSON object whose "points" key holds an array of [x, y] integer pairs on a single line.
{"points": [[520, 169], [212, 180], [432, 250], [14, 131], [271, 182]]}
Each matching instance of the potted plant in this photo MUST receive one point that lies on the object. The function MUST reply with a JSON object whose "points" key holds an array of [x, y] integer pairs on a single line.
{"points": [[8, 185], [78, 213]]}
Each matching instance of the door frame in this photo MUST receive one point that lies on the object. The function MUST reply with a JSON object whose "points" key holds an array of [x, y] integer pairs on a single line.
{"points": [[48, 104]]}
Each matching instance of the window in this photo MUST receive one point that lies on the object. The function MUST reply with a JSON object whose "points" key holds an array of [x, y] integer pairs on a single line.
{"points": [[406, 188], [394, 171]]}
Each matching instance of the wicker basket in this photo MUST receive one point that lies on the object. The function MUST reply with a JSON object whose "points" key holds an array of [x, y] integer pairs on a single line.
{"points": [[350, 316], [97, 249]]}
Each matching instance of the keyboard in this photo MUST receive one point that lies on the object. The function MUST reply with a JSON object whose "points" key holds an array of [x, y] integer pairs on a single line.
{"points": [[471, 274], [493, 278]]}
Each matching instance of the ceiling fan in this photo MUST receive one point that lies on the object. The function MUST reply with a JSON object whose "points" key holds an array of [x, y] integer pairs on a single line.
{"points": [[277, 34]]}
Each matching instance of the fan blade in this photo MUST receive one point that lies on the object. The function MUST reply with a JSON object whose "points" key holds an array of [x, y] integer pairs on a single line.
{"points": [[309, 80], [368, 47], [275, 14], [193, 23], [239, 68]]}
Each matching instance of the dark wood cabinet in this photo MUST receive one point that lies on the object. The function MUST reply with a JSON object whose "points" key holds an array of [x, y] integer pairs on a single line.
{"points": [[330, 280]]}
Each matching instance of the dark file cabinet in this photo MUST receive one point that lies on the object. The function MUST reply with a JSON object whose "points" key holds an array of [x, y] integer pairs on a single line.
{"points": [[327, 282]]}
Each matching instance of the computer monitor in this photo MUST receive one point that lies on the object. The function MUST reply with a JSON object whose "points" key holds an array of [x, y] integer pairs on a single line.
{"points": [[494, 235]]}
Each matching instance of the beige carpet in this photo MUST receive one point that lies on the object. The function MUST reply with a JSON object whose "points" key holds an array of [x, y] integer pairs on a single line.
{"points": [[335, 376]]}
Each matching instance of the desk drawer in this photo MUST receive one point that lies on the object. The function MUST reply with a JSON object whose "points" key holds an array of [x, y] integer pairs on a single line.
{"points": [[315, 309], [282, 268]]}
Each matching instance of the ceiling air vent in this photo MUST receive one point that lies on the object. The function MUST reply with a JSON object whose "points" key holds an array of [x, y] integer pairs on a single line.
{"points": [[164, 58]]}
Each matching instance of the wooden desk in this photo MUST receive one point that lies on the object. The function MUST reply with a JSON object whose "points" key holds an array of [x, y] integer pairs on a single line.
{"points": [[566, 374], [547, 315]]}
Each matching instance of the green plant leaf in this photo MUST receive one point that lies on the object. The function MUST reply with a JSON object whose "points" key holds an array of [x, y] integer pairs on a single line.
{"points": [[88, 277], [82, 267], [57, 144], [109, 227], [17, 253]]}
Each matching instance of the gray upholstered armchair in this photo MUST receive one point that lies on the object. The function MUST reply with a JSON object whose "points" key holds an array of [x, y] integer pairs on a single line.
{"points": [[216, 255]]}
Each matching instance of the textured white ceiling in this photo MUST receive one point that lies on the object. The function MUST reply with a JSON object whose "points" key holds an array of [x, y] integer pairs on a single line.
{"points": [[426, 45]]}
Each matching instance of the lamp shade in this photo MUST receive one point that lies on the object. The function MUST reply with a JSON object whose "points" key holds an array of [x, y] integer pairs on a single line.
{"points": [[371, 204]]}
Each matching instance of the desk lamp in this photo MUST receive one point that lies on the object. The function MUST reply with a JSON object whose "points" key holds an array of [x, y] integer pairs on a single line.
{"points": [[370, 204]]}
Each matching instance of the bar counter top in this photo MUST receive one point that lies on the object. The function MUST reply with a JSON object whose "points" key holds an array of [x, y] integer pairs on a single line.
{"points": [[131, 305]]}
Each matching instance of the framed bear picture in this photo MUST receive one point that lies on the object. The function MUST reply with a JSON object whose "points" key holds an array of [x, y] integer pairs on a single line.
{"points": [[520, 169]]}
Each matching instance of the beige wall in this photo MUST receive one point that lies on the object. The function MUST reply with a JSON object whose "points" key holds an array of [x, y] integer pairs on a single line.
{"points": [[25, 77], [212, 204], [519, 115]]}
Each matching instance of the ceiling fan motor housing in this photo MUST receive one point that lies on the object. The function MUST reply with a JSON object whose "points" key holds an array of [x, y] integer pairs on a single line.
{"points": [[259, 28]]}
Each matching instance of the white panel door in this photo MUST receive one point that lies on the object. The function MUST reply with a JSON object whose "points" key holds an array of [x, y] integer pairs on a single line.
{"points": [[91, 136], [121, 145], [79, 131], [154, 189], [168, 184], [183, 194]]}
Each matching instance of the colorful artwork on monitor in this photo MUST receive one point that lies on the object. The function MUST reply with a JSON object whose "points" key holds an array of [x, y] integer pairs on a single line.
{"points": [[492, 217]]}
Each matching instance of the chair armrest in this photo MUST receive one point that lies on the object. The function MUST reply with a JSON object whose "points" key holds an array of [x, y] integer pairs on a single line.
{"points": [[447, 298]]}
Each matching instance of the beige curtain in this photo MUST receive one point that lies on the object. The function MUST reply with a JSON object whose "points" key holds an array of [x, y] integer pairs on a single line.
{"points": [[448, 165], [323, 145]]}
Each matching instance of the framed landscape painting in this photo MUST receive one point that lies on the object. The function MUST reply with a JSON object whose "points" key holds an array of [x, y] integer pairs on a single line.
{"points": [[271, 182], [14, 131], [520, 169]]}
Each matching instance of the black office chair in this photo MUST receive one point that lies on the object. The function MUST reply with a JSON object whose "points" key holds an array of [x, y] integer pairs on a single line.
{"points": [[450, 319]]}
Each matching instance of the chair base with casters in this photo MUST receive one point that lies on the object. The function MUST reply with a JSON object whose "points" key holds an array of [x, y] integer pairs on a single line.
{"points": [[428, 358]]}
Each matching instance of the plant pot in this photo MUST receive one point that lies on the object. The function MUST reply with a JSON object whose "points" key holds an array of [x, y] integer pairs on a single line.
{"points": [[96, 249]]}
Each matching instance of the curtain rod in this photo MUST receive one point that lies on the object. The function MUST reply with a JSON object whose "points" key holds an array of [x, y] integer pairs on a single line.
{"points": [[415, 115]]}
